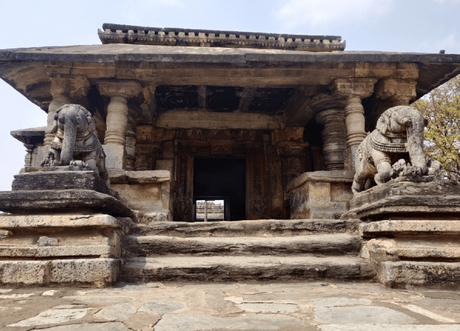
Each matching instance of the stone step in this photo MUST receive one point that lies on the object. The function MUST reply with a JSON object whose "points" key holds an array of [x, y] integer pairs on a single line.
{"points": [[411, 227], [251, 228], [420, 249], [245, 268], [327, 244], [408, 274]]}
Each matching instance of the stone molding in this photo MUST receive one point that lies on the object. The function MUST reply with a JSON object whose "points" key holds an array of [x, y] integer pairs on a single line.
{"points": [[126, 34]]}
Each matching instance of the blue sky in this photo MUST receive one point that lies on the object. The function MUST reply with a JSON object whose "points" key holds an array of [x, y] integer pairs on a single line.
{"points": [[425, 26]]}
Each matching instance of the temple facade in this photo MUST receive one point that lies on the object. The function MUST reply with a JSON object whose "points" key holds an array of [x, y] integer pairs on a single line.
{"points": [[184, 114], [177, 155]]}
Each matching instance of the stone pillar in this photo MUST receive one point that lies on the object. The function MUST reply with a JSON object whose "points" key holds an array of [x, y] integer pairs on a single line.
{"points": [[64, 89], [333, 137], [130, 139], [117, 119], [354, 90]]}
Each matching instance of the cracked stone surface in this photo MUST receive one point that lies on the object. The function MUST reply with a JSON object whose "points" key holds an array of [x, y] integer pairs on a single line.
{"points": [[56, 315], [315, 306], [161, 307]]}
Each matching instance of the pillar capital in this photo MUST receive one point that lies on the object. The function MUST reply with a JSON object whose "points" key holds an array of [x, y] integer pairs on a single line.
{"points": [[325, 101], [120, 88], [396, 91], [73, 87], [353, 87]]}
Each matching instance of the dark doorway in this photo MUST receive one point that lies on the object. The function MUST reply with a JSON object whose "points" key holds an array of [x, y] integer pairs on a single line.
{"points": [[222, 177]]}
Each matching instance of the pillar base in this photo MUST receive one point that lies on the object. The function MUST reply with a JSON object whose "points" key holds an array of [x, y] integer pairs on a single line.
{"points": [[320, 194]]}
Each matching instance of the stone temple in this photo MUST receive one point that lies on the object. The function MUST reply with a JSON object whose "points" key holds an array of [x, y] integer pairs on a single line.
{"points": [[155, 123]]}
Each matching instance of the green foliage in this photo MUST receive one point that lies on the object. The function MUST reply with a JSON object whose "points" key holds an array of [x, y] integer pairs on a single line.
{"points": [[442, 135]]}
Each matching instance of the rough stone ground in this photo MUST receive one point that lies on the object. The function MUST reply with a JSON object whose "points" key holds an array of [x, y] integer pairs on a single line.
{"points": [[240, 306]]}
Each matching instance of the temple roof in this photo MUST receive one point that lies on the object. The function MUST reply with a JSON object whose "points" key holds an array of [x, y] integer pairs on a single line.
{"points": [[218, 79], [131, 34]]}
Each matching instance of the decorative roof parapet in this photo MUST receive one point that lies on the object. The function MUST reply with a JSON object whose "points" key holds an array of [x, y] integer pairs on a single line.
{"points": [[130, 34]]}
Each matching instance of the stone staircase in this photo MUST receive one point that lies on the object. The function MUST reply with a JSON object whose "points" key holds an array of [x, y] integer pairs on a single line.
{"points": [[260, 250]]}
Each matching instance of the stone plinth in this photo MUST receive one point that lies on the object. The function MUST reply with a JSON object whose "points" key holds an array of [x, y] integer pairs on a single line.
{"points": [[419, 245], [72, 200], [320, 194], [71, 248], [60, 180], [402, 199], [148, 193]]}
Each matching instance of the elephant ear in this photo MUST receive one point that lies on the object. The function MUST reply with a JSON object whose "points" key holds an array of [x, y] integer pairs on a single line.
{"points": [[91, 123], [55, 126], [382, 124]]}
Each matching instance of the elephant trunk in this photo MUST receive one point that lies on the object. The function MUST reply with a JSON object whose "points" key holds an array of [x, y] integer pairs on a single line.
{"points": [[415, 140], [70, 137]]}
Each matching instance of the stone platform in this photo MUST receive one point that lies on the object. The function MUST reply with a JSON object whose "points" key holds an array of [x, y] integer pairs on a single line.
{"points": [[61, 191], [411, 232], [63, 228], [61, 249], [404, 199]]}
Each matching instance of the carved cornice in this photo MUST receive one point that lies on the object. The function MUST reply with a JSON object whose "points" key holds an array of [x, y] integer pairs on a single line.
{"points": [[128, 34]]}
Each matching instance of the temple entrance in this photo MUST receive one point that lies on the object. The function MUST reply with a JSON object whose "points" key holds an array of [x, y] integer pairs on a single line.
{"points": [[223, 179]]}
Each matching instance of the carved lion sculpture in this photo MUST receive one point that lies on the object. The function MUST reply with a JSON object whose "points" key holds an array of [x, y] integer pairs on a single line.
{"points": [[397, 136], [75, 142]]}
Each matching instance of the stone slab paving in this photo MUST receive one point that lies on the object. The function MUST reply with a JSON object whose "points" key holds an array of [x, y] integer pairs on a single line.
{"points": [[229, 307]]}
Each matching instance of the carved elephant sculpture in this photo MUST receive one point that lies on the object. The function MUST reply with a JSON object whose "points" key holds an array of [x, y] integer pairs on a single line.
{"points": [[398, 135], [75, 139]]}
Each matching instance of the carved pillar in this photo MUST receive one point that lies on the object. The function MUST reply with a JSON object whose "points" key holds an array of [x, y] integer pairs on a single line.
{"points": [[354, 90], [64, 89], [28, 157], [117, 119], [130, 138], [333, 137]]}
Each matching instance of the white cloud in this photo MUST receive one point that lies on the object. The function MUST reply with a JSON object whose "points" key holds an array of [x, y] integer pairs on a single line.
{"points": [[447, 1], [162, 2], [319, 12], [449, 44]]}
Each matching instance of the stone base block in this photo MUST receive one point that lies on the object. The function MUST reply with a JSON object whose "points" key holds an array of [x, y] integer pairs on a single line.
{"points": [[406, 274], [61, 201], [320, 194], [98, 272], [145, 191], [417, 249], [152, 217], [59, 180], [63, 221], [409, 227], [410, 200]]}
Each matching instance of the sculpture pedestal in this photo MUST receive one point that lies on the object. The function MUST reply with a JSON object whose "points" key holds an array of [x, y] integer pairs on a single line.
{"points": [[147, 193], [64, 227], [412, 232], [320, 194], [403, 199]]}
